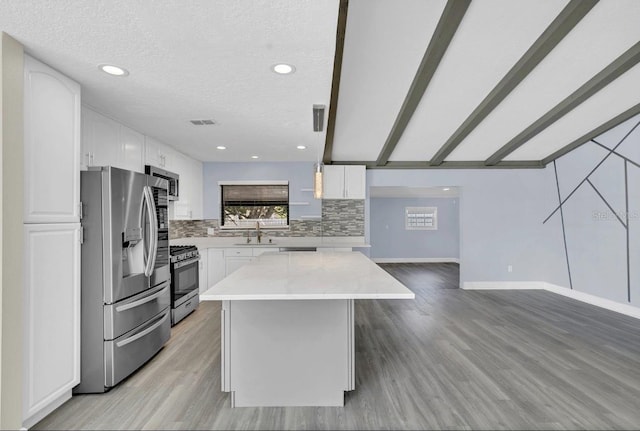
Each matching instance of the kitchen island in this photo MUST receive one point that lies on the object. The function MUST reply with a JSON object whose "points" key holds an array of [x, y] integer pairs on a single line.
{"points": [[288, 326]]}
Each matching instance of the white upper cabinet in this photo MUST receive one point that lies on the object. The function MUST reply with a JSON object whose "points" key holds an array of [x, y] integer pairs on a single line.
{"points": [[131, 149], [100, 136], [160, 155], [344, 182], [106, 142], [51, 145], [189, 206]]}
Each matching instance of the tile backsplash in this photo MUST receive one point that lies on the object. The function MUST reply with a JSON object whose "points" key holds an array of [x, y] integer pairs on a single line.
{"points": [[340, 217]]}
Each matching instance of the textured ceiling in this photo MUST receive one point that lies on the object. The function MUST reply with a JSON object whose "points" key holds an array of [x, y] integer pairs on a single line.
{"points": [[196, 59], [421, 81]]}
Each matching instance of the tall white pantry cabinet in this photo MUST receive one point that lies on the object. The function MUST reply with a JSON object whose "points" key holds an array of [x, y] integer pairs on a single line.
{"points": [[52, 236]]}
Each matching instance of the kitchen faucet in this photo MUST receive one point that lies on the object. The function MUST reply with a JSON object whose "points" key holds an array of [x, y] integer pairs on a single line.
{"points": [[258, 231]]}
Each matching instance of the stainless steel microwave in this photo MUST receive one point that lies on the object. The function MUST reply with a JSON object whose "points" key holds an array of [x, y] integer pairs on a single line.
{"points": [[173, 191]]}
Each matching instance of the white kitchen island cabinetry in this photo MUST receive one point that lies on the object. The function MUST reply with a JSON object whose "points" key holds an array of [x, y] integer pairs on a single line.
{"points": [[344, 182], [287, 330]]}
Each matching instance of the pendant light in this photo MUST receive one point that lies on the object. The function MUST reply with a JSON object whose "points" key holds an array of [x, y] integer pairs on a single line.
{"points": [[318, 167]]}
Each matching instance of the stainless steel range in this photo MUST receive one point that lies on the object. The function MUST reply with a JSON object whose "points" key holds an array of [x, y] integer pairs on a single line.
{"points": [[184, 281]]}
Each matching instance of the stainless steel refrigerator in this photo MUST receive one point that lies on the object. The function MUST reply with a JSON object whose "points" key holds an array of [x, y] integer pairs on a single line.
{"points": [[125, 314]]}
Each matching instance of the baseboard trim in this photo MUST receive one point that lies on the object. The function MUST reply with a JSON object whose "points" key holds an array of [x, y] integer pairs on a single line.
{"points": [[48, 409], [626, 309], [503, 285], [416, 260]]}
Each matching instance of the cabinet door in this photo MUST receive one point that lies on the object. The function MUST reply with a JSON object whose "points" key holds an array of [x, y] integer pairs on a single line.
{"points": [[152, 151], [104, 141], [131, 145], [195, 189], [333, 182], [215, 266], [355, 178], [203, 269], [51, 330], [234, 263], [51, 145]]}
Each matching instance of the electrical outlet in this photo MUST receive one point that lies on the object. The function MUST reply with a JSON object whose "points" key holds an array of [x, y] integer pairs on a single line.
{"points": [[211, 231], [509, 268]]}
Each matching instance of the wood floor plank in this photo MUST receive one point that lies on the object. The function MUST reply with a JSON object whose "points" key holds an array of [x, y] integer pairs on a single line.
{"points": [[450, 359]]}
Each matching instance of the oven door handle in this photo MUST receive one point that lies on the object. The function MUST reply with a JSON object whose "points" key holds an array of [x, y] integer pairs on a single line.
{"points": [[182, 263], [162, 289]]}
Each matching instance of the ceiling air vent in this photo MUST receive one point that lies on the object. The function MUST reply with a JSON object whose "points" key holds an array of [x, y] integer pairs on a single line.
{"points": [[202, 122]]}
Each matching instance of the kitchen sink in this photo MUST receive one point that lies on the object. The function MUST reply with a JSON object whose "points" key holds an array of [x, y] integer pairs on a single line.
{"points": [[255, 244]]}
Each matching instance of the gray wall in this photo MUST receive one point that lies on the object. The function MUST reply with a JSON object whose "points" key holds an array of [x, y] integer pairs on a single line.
{"points": [[501, 213], [597, 246], [390, 239]]}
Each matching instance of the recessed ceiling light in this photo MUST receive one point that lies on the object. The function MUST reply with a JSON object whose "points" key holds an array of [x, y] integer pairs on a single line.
{"points": [[446, 189], [113, 70], [301, 147], [221, 147], [254, 157], [283, 68]]}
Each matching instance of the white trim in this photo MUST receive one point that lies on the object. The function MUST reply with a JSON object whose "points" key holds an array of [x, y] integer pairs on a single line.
{"points": [[254, 183], [626, 309], [416, 260], [503, 285], [618, 307], [47, 410]]}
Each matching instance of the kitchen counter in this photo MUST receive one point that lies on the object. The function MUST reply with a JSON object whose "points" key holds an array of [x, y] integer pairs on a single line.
{"points": [[238, 241], [288, 331], [299, 275]]}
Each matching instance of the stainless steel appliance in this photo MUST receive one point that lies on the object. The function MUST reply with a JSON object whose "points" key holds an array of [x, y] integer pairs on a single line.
{"points": [[184, 281], [172, 179], [125, 314]]}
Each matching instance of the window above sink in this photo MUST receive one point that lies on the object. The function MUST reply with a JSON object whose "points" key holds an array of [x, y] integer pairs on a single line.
{"points": [[254, 204]]}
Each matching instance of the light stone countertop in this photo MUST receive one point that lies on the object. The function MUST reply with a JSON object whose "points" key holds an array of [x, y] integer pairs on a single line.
{"points": [[304, 275], [240, 241]]}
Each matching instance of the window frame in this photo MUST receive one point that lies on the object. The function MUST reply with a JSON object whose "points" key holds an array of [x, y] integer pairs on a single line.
{"points": [[420, 216], [221, 224]]}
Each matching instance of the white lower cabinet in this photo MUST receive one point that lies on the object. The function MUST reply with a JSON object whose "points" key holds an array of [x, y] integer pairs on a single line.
{"points": [[51, 317], [215, 266], [203, 271], [234, 263]]}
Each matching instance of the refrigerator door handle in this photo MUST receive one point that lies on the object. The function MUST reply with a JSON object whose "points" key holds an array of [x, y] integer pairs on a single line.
{"points": [[153, 231]]}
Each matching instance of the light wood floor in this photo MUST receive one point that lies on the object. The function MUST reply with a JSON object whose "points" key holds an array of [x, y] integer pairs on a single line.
{"points": [[449, 359]]}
